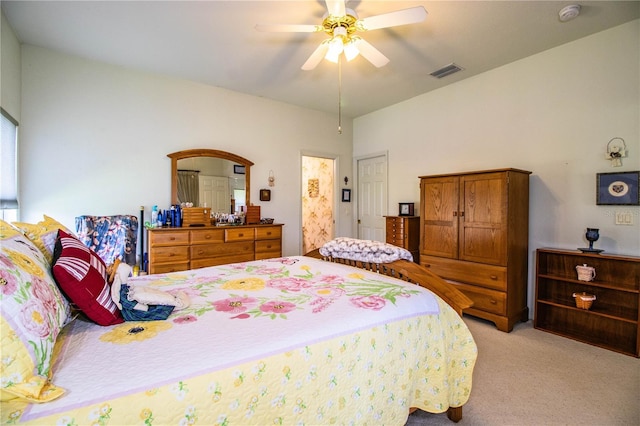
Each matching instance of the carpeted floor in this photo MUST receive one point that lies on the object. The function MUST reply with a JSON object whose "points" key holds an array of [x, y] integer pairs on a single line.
{"points": [[530, 377]]}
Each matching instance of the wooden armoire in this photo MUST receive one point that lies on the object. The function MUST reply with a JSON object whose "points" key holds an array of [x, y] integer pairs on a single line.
{"points": [[474, 231]]}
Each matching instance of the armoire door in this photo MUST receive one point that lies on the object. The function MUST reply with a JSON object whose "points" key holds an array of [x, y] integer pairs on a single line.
{"points": [[439, 209], [483, 218]]}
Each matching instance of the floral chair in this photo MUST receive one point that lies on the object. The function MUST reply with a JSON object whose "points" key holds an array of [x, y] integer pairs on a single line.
{"points": [[111, 237]]}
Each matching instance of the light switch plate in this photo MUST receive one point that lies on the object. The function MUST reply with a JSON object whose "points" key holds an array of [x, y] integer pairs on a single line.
{"points": [[624, 218]]}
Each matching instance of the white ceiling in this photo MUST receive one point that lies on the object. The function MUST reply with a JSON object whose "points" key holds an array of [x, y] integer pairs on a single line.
{"points": [[214, 42]]}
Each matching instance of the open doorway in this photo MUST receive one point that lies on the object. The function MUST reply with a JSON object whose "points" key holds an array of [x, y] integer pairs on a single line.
{"points": [[318, 201]]}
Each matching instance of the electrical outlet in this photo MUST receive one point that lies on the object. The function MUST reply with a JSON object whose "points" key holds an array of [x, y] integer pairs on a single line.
{"points": [[624, 218]]}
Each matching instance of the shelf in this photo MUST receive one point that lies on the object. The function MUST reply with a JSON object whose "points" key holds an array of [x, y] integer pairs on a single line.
{"points": [[594, 283], [612, 322]]}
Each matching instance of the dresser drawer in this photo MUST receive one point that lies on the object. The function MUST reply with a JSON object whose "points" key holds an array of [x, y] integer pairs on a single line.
{"points": [[238, 234], [170, 254], [484, 299], [163, 268], [268, 232], [489, 276], [222, 260], [203, 236], [266, 249], [203, 251], [168, 238]]}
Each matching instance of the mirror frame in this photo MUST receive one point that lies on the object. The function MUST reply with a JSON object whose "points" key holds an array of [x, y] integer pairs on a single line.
{"points": [[190, 153]]}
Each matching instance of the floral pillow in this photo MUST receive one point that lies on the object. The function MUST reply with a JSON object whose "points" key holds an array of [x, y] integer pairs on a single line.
{"points": [[33, 311], [43, 234]]}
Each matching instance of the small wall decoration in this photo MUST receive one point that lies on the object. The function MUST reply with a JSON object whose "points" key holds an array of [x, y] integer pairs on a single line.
{"points": [[265, 195], [406, 209], [313, 187], [618, 189], [237, 169], [346, 195], [616, 150]]}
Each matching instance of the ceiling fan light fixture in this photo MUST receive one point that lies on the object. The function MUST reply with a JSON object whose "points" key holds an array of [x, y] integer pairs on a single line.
{"points": [[351, 49], [336, 46]]}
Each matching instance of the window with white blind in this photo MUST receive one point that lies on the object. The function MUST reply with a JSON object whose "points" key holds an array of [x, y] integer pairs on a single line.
{"points": [[8, 167]]}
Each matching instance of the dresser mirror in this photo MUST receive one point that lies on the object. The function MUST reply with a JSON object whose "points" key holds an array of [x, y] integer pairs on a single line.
{"points": [[210, 178]]}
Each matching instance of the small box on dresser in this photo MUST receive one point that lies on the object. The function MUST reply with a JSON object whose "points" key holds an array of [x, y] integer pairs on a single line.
{"points": [[612, 319]]}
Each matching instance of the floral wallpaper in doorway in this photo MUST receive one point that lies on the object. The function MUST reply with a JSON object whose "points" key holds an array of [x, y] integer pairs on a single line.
{"points": [[317, 202]]}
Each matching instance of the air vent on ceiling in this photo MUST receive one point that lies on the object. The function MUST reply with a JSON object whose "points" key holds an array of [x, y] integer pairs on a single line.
{"points": [[446, 70]]}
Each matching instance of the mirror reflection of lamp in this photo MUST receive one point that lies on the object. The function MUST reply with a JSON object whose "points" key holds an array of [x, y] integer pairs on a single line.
{"points": [[616, 150]]}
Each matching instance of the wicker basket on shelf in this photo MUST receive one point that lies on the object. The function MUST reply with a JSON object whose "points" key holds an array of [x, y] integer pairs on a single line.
{"points": [[584, 300]]}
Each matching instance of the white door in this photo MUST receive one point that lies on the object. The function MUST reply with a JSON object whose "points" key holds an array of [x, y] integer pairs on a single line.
{"points": [[372, 198], [214, 193]]}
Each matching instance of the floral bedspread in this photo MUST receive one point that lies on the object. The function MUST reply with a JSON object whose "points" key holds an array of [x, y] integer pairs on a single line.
{"points": [[289, 340]]}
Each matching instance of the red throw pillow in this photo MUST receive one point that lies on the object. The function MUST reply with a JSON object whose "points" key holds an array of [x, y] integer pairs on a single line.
{"points": [[82, 277]]}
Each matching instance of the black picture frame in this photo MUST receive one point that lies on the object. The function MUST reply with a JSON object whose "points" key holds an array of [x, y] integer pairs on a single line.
{"points": [[618, 189], [406, 209], [265, 195], [238, 170], [346, 195]]}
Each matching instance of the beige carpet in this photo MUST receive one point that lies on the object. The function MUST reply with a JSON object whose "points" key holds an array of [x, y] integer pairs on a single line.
{"points": [[530, 377]]}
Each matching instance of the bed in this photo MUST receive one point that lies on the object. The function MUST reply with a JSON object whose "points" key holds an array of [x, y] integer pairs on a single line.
{"points": [[294, 340]]}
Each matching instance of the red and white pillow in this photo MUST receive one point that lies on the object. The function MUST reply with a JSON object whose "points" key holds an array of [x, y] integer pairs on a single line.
{"points": [[82, 277]]}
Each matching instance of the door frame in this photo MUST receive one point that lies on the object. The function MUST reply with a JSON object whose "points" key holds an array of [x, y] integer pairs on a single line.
{"points": [[356, 175], [336, 189]]}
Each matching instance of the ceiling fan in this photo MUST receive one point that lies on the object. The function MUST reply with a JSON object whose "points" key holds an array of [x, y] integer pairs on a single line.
{"points": [[342, 25]]}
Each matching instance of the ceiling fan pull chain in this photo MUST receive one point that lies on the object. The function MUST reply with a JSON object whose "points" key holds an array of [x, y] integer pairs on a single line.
{"points": [[340, 95]]}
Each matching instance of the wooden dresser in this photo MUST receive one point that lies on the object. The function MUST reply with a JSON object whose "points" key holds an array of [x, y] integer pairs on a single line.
{"points": [[404, 231], [179, 249], [474, 231]]}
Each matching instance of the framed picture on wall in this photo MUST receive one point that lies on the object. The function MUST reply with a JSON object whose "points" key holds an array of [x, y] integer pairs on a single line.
{"points": [[265, 195], [346, 195], [618, 189]]}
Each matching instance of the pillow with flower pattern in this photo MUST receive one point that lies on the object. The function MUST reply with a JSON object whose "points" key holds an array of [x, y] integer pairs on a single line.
{"points": [[33, 311], [43, 234]]}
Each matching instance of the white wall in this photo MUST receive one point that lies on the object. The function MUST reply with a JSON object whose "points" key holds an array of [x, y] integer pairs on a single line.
{"points": [[95, 138], [552, 114], [9, 70]]}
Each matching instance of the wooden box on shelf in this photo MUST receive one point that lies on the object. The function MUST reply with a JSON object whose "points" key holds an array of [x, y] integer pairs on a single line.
{"points": [[611, 320], [196, 216]]}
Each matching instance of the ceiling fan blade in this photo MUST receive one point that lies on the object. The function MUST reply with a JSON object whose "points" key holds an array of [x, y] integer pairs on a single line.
{"points": [[372, 54], [336, 7], [401, 17], [288, 28], [316, 57]]}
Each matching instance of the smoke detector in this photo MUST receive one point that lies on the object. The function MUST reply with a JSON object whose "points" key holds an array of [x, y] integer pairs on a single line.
{"points": [[567, 13]]}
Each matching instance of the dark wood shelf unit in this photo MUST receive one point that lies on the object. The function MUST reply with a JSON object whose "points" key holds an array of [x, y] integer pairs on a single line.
{"points": [[613, 319]]}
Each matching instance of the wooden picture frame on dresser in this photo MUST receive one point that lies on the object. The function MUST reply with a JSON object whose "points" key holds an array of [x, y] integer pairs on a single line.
{"points": [[474, 233]]}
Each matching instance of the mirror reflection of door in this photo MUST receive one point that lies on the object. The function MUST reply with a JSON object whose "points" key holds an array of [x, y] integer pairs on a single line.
{"points": [[214, 193], [318, 199], [372, 198]]}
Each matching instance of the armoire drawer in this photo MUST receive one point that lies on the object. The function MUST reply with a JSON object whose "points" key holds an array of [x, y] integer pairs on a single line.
{"points": [[489, 276], [485, 299]]}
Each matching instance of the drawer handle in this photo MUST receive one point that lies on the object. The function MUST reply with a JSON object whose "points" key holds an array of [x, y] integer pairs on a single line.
{"points": [[493, 301], [269, 246], [208, 236], [494, 277], [426, 265], [200, 251], [172, 238], [240, 235], [268, 233]]}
